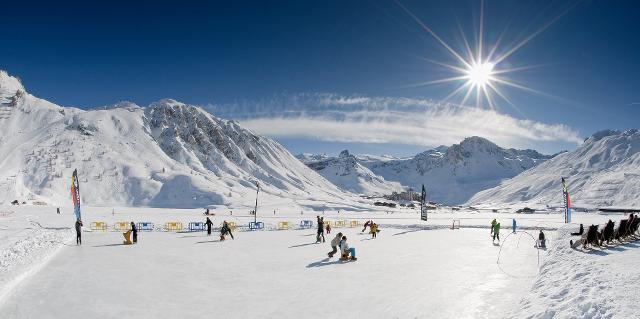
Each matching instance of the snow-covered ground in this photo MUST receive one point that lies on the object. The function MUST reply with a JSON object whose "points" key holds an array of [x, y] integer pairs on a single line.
{"points": [[413, 269]]}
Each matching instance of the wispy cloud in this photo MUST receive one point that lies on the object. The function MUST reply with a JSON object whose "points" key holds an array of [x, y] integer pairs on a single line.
{"points": [[361, 119]]}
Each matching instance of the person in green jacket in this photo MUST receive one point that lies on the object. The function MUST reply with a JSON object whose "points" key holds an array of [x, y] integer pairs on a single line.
{"points": [[493, 225], [496, 232]]}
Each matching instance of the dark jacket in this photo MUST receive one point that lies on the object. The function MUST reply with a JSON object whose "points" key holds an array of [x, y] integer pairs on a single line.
{"points": [[78, 226]]}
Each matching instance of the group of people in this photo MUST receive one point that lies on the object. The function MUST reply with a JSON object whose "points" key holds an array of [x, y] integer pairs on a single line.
{"points": [[627, 228], [495, 232], [346, 252], [373, 228]]}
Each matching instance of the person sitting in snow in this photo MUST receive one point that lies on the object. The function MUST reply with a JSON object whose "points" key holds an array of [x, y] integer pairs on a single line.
{"points": [[580, 232], [346, 250], [373, 230], [335, 242], [542, 240], [496, 232]]}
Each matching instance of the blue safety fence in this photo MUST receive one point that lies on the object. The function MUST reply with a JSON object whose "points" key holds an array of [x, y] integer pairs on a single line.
{"points": [[196, 226], [145, 226], [306, 224], [256, 225]]}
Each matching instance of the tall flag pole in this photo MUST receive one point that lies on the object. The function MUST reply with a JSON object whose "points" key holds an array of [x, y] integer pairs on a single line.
{"points": [[423, 206], [255, 212], [75, 193], [567, 202]]}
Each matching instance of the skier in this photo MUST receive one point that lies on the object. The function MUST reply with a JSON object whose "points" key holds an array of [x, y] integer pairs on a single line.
{"points": [[328, 228], [496, 232], [373, 229], [209, 223], [134, 232], [493, 225], [334, 245], [514, 225], [320, 229], [346, 250], [367, 224], [542, 240], [78, 232]]}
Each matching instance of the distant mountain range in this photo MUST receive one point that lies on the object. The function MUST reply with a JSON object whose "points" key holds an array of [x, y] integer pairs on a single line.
{"points": [[451, 174]]}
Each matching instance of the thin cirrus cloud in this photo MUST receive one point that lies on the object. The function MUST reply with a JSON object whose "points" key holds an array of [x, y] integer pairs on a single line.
{"points": [[360, 119]]}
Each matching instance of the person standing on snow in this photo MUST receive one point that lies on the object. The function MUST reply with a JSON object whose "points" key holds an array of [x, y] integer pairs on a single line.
{"points": [[513, 227], [496, 232], [134, 232], [78, 232], [320, 229], [367, 224], [225, 230], [208, 223], [493, 225], [373, 230], [335, 242], [346, 250], [328, 228]]}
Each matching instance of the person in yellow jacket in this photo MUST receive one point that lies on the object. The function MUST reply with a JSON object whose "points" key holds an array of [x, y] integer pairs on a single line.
{"points": [[493, 225], [373, 230]]}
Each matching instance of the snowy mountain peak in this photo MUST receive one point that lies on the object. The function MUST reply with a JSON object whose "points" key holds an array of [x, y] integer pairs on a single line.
{"points": [[344, 154], [120, 105], [9, 85], [605, 170]]}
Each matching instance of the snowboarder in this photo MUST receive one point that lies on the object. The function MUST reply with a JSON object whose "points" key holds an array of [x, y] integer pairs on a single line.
{"points": [[514, 225], [346, 250], [208, 223], [542, 240], [328, 228], [320, 234], [134, 232], [334, 245], [367, 224], [78, 232], [373, 229], [496, 232], [493, 225]]}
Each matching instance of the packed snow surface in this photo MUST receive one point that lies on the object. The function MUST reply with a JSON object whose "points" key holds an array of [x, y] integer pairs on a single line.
{"points": [[414, 269]]}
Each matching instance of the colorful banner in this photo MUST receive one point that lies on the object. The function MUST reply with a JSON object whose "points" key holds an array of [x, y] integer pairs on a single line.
{"points": [[75, 193], [567, 202]]}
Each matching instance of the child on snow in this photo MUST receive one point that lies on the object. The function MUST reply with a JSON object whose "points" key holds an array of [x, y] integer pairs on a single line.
{"points": [[225, 230], [367, 224], [373, 230], [328, 228], [334, 245], [346, 250]]}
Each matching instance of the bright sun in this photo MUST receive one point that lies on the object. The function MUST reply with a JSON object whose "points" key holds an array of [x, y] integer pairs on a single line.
{"points": [[480, 74]]}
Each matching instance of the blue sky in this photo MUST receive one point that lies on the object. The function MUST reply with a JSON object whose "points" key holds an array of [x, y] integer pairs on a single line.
{"points": [[243, 57]]}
